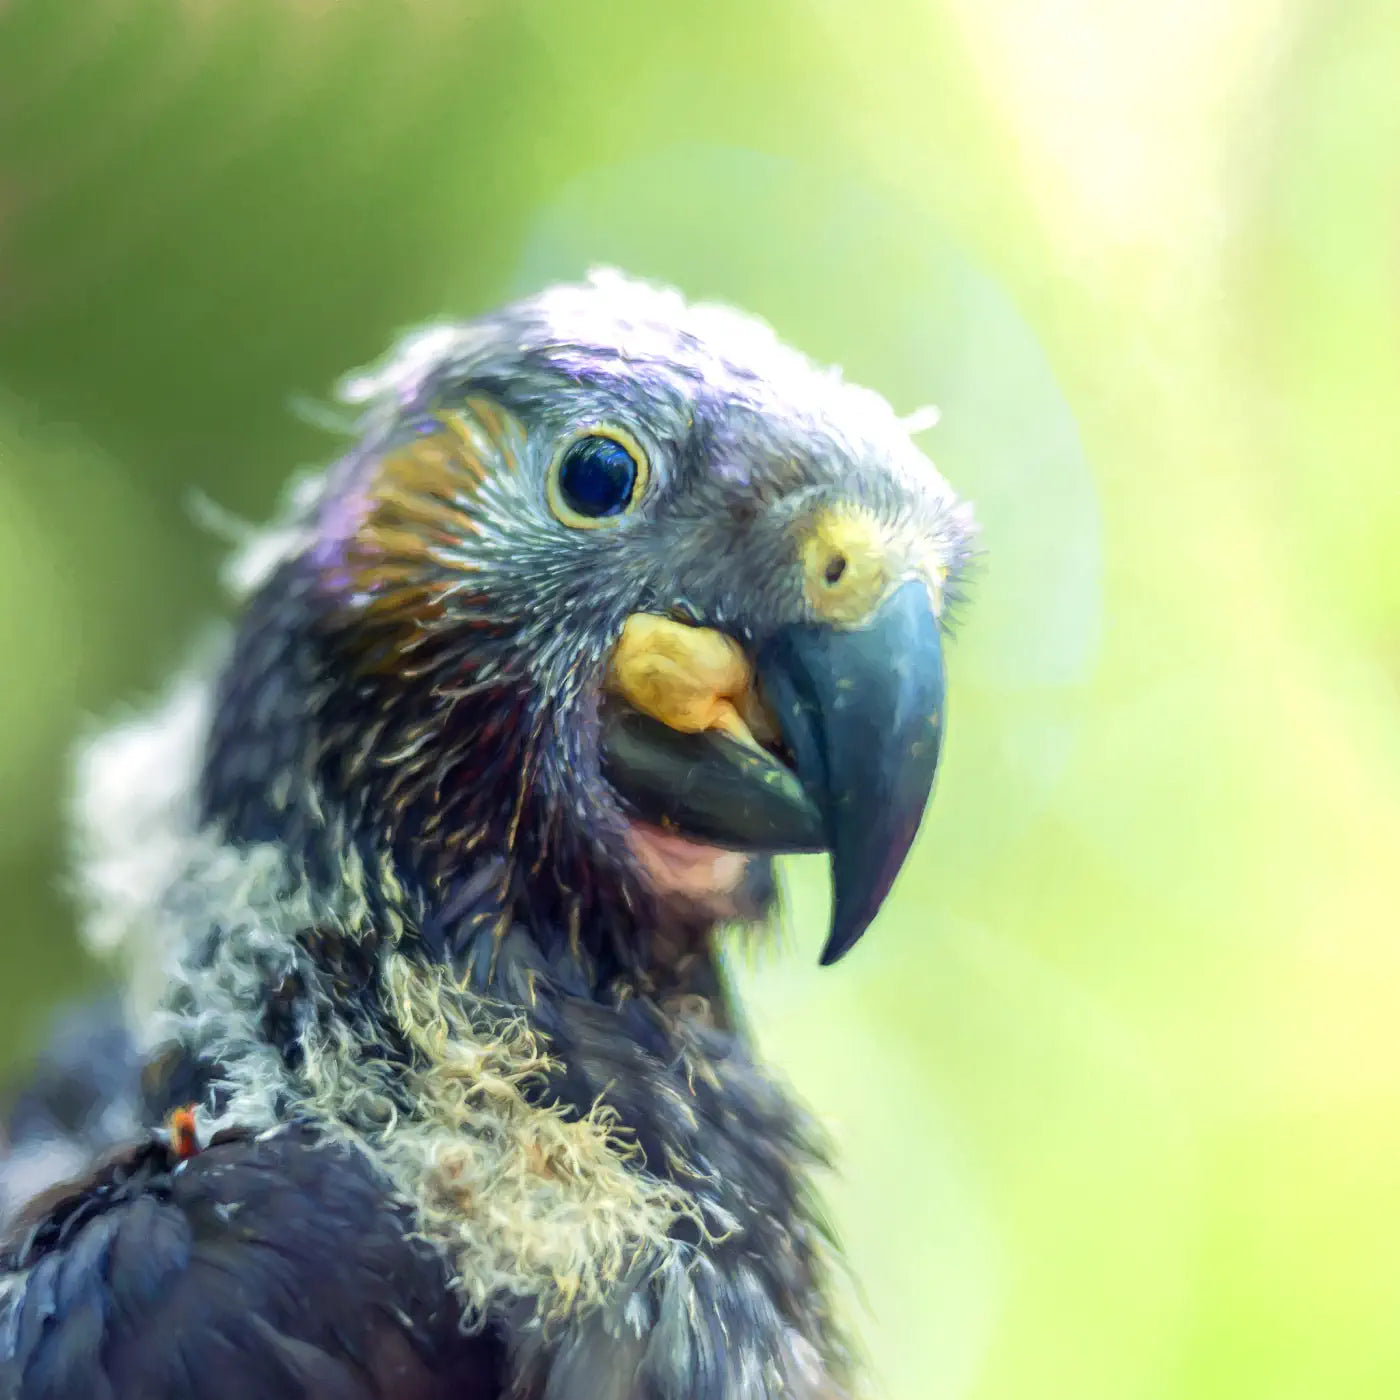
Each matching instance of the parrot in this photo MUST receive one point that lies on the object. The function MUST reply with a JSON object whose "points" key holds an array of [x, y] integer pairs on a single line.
{"points": [[427, 1077]]}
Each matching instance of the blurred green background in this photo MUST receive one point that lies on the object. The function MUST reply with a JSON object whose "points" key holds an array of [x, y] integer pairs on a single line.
{"points": [[1116, 1079]]}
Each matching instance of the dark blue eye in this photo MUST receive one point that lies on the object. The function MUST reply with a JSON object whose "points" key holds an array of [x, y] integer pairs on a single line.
{"points": [[597, 477]]}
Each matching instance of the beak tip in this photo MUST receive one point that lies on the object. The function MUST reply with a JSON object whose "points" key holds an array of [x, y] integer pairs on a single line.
{"points": [[853, 910], [861, 710], [836, 949], [850, 918]]}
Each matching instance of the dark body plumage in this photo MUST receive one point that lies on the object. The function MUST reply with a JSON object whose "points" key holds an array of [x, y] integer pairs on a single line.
{"points": [[264, 1267], [478, 1114]]}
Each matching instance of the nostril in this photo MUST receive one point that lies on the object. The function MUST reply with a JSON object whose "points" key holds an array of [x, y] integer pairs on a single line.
{"points": [[835, 567]]}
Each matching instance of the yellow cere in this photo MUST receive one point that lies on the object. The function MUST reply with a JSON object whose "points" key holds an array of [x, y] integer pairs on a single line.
{"points": [[845, 565]]}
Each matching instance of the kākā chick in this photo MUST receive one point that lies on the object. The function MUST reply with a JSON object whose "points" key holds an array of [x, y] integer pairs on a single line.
{"points": [[418, 882]]}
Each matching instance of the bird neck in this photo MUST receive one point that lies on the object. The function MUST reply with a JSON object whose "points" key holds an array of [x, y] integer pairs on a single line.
{"points": [[552, 1112]]}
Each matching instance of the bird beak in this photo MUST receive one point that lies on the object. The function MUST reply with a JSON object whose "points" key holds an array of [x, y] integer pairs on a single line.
{"points": [[861, 711], [858, 709], [708, 786]]}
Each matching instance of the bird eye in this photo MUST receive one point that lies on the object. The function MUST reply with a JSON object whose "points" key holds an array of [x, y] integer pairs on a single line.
{"points": [[596, 477]]}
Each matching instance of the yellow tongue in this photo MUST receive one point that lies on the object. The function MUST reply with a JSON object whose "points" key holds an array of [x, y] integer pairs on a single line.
{"points": [[690, 678]]}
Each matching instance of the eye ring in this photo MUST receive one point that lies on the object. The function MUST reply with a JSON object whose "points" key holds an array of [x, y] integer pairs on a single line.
{"points": [[600, 493]]}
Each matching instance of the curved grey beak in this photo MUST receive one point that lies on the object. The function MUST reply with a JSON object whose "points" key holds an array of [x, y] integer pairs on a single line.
{"points": [[861, 711]]}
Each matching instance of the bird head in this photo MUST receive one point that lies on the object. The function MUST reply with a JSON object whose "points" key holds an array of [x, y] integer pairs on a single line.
{"points": [[615, 598]]}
